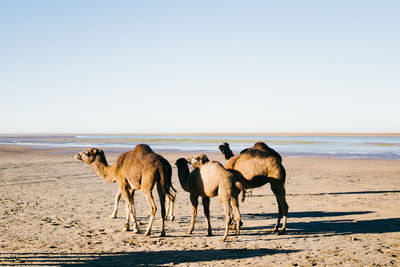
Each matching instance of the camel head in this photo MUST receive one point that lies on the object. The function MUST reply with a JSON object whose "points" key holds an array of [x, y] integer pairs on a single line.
{"points": [[224, 147], [198, 160], [90, 156], [181, 162]]}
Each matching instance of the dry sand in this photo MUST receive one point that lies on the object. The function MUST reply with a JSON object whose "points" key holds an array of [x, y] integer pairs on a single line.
{"points": [[55, 210]]}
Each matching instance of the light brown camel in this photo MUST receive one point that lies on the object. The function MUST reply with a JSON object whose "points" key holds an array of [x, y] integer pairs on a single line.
{"points": [[139, 168], [256, 167], [208, 180]]}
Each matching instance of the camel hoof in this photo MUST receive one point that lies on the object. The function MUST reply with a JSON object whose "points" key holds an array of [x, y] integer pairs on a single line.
{"points": [[136, 231], [172, 219], [126, 230], [113, 217], [281, 232], [209, 234], [188, 233], [162, 235]]}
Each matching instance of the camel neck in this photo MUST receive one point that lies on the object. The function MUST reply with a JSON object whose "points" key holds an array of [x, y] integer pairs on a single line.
{"points": [[183, 175], [228, 154], [103, 170]]}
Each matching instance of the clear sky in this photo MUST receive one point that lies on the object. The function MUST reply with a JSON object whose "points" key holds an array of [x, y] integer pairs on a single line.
{"points": [[199, 66]]}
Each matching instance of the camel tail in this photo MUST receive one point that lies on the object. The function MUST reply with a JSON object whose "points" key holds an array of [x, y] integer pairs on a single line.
{"points": [[166, 182], [283, 173]]}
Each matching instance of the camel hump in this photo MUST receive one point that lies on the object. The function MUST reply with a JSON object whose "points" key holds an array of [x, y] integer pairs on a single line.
{"points": [[257, 153], [264, 147], [142, 149]]}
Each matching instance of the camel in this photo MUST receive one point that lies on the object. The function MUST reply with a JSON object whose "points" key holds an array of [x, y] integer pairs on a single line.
{"points": [[209, 179], [139, 168], [254, 168]]}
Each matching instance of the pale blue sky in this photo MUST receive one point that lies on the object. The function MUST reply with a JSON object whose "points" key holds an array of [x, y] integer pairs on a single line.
{"points": [[199, 66]]}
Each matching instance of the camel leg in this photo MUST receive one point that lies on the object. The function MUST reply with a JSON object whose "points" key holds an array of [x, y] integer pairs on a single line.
{"points": [[116, 202], [206, 207], [236, 213], [127, 194], [194, 200], [153, 209], [283, 208], [161, 195], [227, 208], [170, 210], [132, 212]]}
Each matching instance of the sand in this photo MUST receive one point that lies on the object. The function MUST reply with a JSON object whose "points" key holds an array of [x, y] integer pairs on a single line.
{"points": [[55, 210]]}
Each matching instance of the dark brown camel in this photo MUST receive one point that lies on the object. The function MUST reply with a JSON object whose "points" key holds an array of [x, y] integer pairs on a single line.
{"points": [[256, 167]]}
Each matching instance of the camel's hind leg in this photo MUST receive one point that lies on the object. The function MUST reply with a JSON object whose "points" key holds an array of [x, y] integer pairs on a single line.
{"points": [[161, 194], [206, 208], [283, 208], [153, 209], [170, 209], [116, 202], [194, 200]]}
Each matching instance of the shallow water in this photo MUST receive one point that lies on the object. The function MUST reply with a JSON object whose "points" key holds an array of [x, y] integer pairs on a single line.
{"points": [[380, 147]]}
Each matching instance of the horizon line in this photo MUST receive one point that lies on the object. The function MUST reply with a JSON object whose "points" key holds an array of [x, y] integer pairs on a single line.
{"points": [[387, 134]]}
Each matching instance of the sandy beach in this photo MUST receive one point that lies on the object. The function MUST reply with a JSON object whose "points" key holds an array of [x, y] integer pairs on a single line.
{"points": [[55, 210]]}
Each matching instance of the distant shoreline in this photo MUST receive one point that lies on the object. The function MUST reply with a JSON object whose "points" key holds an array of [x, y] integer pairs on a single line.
{"points": [[214, 134]]}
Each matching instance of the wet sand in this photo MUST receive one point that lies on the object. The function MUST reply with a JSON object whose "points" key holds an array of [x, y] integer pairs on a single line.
{"points": [[55, 210]]}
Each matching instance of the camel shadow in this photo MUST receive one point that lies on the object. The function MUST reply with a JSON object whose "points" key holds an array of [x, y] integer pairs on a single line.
{"points": [[345, 227], [140, 258], [331, 227], [304, 214], [333, 193]]}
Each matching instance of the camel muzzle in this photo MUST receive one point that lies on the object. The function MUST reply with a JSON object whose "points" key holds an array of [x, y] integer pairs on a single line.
{"points": [[78, 156]]}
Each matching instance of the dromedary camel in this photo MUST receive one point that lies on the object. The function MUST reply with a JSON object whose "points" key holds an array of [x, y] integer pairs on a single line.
{"points": [[208, 180], [139, 168], [256, 167]]}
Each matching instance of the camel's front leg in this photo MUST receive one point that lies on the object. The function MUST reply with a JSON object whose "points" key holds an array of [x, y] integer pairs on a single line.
{"points": [[153, 209], [194, 200], [236, 213], [116, 202], [130, 213], [225, 203], [206, 207]]}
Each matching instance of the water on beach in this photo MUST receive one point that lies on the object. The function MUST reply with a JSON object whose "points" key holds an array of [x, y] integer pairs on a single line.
{"points": [[380, 147]]}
